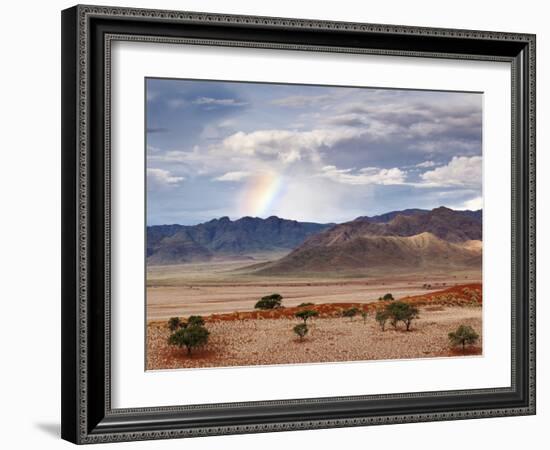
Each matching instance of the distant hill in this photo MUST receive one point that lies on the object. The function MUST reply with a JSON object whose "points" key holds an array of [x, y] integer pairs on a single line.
{"points": [[478, 214], [173, 244], [442, 222], [390, 215], [178, 247], [382, 218], [441, 238]]}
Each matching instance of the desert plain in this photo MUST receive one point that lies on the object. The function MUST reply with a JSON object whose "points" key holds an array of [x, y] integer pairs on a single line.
{"points": [[242, 336]]}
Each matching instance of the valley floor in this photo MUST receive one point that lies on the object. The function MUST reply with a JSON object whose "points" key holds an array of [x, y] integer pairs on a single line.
{"points": [[213, 288]]}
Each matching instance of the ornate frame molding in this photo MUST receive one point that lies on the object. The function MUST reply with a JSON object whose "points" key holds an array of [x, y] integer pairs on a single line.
{"points": [[80, 424]]}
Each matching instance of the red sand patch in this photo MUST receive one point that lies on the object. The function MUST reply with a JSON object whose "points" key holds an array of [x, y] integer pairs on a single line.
{"points": [[469, 293]]}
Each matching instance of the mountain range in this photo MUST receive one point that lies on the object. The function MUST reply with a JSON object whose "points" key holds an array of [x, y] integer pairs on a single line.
{"points": [[436, 239], [175, 244], [441, 237]]}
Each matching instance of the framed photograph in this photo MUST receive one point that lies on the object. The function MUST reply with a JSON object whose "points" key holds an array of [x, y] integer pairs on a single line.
{"points": [[268, 222]]}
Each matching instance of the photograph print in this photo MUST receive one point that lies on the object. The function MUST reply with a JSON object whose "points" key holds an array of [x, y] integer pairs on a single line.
{"points": [[300, 224]]}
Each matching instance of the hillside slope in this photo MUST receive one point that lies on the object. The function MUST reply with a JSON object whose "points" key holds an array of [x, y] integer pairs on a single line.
{"points": [[364, 253]]}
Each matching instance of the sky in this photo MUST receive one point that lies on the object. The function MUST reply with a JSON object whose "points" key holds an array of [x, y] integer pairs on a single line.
{"points": [[309, 153]]}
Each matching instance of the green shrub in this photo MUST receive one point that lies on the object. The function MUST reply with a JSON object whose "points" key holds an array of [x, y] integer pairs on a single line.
{"points": [[189, 337], [364, 315], [306, 314], [388, 297], [174, 323], [269, 302], [301, 330], [401, 312], [409, 315], [382, 317], [464, 335], [351, 312], [301, 305], [195, 320]]}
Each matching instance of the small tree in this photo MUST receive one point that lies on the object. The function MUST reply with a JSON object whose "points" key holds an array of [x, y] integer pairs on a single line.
{"points": [[301, 330], [269, 302], [364, 315], [351, 312], [402, 312], [388, 297], [394, 312], [195, 321], [306, 314], [464, 335], [382, 317], [408, 316], [174, 323], [189, 337]]}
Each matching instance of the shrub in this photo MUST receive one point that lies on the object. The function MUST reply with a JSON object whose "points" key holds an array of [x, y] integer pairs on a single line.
{"points": [[174, 323], [269, 302], [351, 313], [195, 321], [464, 335], [388, 297], [306, 314], [301, 330], [301, 305], [382, 317], [364, 315], [189, 337], [402, 312]]}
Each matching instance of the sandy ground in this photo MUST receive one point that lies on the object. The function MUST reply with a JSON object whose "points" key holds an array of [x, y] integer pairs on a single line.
{"points": [[214, 288], [272, 341]]}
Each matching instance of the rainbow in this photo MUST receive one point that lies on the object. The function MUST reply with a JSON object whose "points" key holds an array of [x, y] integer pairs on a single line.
{"points": [[260, 194]]}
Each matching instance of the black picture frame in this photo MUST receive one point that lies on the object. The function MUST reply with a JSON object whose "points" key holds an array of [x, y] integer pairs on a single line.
{"points": [[87, 32]]}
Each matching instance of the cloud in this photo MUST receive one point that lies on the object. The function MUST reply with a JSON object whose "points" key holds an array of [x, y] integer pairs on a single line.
{"points": [[473, 204], [348, 120], [443, 145], [286, 146], [233, 176], [399, 116], [367, 175], [160, 178], [176, 102], [209, 101], [301, 101], [405, 110], [461, 171], [425, 164]]}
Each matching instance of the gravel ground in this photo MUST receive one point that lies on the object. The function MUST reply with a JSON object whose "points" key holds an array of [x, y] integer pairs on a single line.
{"points": [[272, 341]]}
